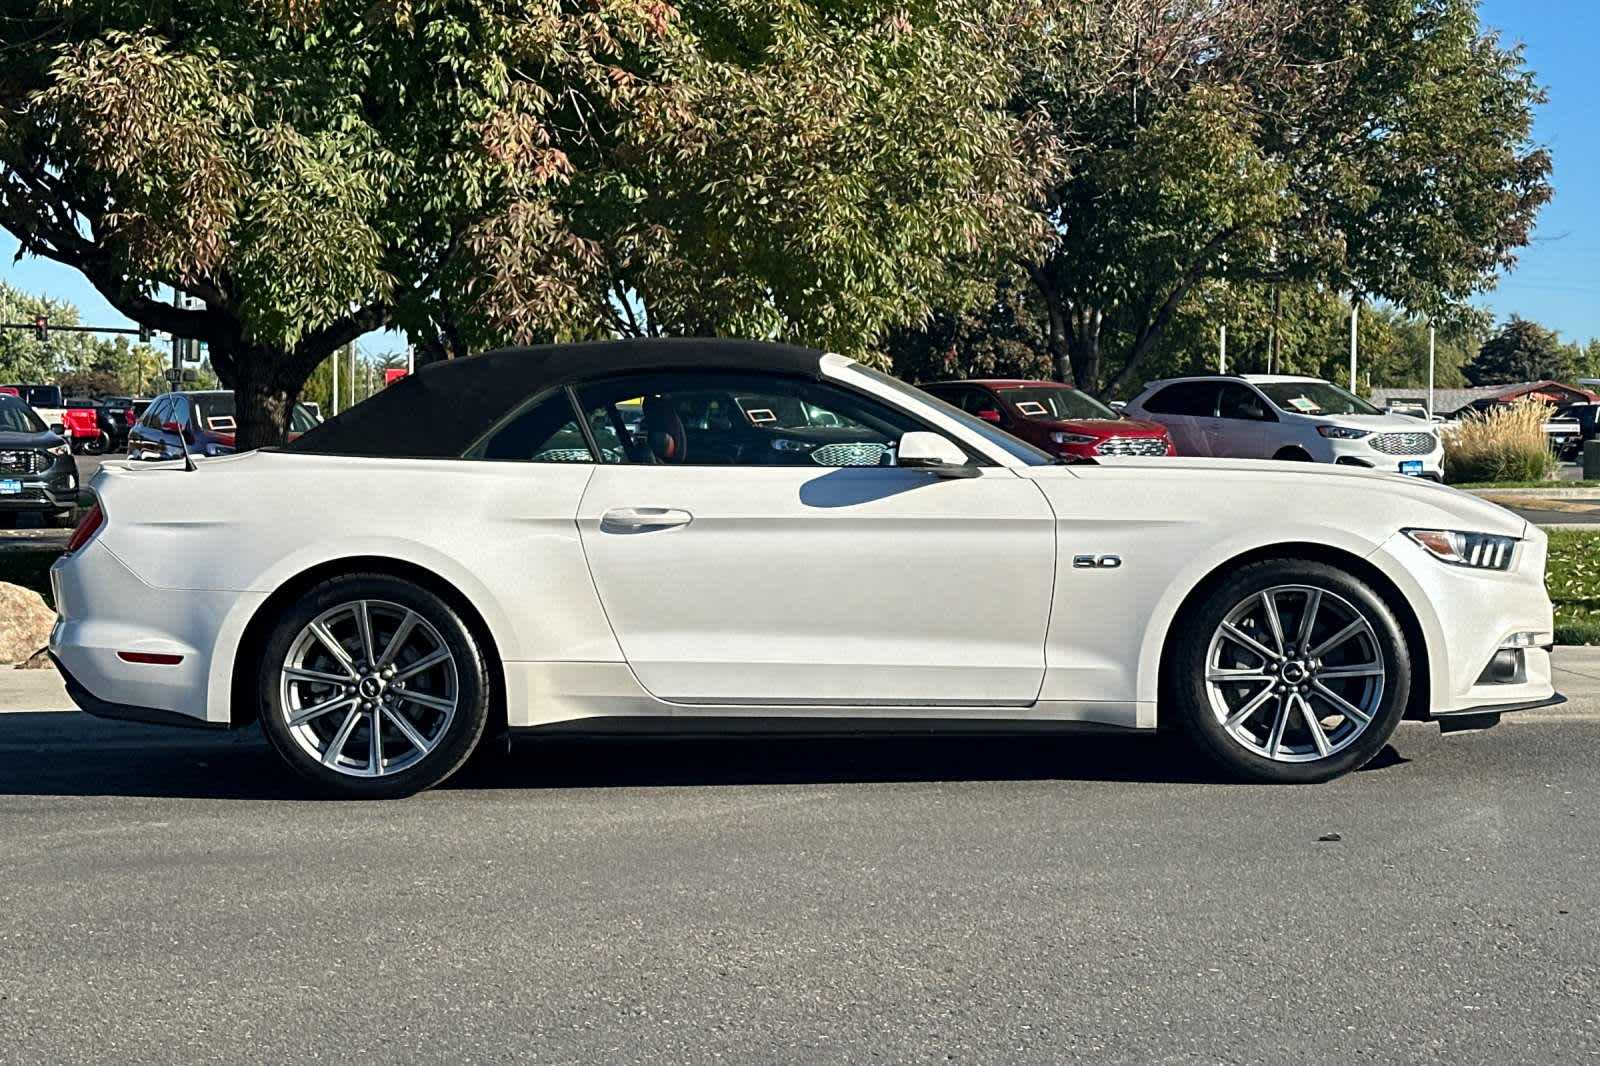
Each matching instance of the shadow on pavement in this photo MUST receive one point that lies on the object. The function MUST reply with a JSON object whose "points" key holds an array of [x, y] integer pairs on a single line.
{"points": [[55, 754]]}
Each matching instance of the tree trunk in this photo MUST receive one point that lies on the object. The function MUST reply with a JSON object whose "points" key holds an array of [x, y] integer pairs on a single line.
{"points": [[265, 389], [1084, 348]]}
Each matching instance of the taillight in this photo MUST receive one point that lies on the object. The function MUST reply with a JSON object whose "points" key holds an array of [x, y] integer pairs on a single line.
{"points": [[88, 526]]}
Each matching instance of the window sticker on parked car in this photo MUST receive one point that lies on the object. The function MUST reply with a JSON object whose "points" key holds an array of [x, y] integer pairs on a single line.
{"points": [[221, 423], [1305, 406], [1032, 408]]}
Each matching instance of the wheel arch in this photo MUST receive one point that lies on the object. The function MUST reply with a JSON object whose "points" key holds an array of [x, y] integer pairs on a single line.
{"points": [[1295, 453], [242, 704], [1405, 612]]}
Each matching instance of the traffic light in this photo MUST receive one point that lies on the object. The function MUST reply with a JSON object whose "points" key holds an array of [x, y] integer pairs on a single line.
{"points": [[41, 328], [145, 334]]}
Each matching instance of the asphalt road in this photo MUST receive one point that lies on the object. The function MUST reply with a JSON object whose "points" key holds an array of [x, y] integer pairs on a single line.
{"points": [[168, 896]]}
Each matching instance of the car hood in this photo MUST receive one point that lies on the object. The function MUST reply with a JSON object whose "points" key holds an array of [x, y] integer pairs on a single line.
{"points": [[9, 439], [1343, 495], [1373, 423], [1105, 427]]}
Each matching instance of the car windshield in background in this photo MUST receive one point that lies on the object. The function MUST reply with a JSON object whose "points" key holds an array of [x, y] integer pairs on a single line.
{"points": [[17, 417], [1315, 398], [1057, 405], [1017, 448]]}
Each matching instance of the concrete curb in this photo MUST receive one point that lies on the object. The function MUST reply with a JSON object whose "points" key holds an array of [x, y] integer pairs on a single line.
{"points": [[1539, 494]]}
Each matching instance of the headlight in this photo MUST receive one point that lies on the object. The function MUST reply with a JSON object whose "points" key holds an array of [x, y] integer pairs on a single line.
{"points": [[784, 444], [60, 449], [1480, 551], [1343, 432], [1073, 438]]}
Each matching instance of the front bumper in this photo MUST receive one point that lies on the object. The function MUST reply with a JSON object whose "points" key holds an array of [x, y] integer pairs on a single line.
{"points": [[1469, 617], [54, 490], [1359, 453]]}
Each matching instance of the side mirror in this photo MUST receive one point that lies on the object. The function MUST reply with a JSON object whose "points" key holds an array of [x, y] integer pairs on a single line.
{"points": [[58, 429], [921, 450]]}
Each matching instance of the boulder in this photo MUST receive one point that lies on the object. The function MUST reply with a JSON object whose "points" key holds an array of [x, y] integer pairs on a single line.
{"points": [[25, 623]]}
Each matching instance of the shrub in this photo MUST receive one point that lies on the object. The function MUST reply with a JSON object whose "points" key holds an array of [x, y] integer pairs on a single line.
{"points": [[1505, 443]]}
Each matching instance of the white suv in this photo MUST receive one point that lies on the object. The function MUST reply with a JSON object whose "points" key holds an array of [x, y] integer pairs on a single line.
{"points": [[1262, 416]]}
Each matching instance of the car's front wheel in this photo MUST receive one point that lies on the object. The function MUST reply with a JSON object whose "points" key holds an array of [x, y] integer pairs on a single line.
{"points": [[373, 687], [1291, 671]]}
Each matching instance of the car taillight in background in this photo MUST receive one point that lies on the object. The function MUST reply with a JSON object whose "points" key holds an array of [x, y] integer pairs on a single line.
{"points": [[128, 416], [88, 526]]}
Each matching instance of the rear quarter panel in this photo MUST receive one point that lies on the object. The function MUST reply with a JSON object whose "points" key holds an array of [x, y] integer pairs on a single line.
{"points": [[503, 534]]}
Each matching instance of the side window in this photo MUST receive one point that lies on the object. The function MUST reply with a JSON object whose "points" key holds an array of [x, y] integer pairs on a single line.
{"points": [[1239, 402], [178, 411], [545, 430], [1195, 398], [739, 419], [981, 403], [155, 414]]}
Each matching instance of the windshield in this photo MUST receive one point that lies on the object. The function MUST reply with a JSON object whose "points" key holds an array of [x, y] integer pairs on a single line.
{"points": [[1047, 404], [1018, 449], [18, 417], [1315, 398]]}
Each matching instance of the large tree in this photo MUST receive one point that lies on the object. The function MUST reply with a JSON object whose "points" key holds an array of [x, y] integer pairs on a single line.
{"points": [[484, 171], [1374, 147], [1523, 351]]}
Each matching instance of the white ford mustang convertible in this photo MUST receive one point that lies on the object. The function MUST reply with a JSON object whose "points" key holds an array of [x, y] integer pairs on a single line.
{"points": [[728, 536]]}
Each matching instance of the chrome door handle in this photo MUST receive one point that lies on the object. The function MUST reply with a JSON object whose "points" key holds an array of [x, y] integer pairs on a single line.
{"points": [[643, 519]]}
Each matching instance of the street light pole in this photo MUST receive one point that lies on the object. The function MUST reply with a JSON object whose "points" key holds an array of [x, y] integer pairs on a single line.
{"points": [[1223, 360], [1431, 354], [1355, 322]]}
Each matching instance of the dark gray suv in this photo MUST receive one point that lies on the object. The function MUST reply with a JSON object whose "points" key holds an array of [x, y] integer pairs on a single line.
{"points": [[37, 474]]}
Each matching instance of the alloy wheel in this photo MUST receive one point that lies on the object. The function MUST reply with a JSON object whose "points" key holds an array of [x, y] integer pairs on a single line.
{"points": [[1295, 673], [369, 688]]}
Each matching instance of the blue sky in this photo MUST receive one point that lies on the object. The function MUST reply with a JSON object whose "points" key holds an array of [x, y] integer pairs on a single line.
{"points": [[1557, 281]]}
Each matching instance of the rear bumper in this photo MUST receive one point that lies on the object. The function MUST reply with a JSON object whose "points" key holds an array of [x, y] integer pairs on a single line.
{"points": [[105, 612], [124, 712]]}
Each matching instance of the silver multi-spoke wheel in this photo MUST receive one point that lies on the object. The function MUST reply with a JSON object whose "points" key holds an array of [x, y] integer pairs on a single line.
{"points": [[1295, 674], [369, 688]]}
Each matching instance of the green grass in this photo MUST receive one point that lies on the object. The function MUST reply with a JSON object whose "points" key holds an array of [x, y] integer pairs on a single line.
{"points": [[30, 569], [1527, 485], [1573, 578]]}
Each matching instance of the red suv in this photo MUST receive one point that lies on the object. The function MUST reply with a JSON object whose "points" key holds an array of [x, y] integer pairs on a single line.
{"points": [[1055, 417]]}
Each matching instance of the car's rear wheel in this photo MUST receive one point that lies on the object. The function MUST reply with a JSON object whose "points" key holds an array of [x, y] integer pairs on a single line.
{"points": [[1291, 672], [373, 687]]}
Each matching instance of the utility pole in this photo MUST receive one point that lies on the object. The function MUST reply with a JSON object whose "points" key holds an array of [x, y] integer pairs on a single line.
{"points": [[1222, 361]]}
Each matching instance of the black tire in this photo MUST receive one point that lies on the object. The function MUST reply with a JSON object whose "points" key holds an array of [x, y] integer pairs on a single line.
{"points": [[1191, 694], [455, 743], [1293, 455], [97, 445]]}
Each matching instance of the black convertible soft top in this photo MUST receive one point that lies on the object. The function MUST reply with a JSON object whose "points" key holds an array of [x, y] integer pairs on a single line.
{"points": [[440, 410]]}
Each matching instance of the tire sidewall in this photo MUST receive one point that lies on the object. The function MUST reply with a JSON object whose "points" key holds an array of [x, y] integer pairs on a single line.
{"points": [[1193, 697], [472, 680]]}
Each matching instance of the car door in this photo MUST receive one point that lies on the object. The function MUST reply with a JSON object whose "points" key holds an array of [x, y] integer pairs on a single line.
{"points": [[811, 571], [1242, 428], [1186, 408]]}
